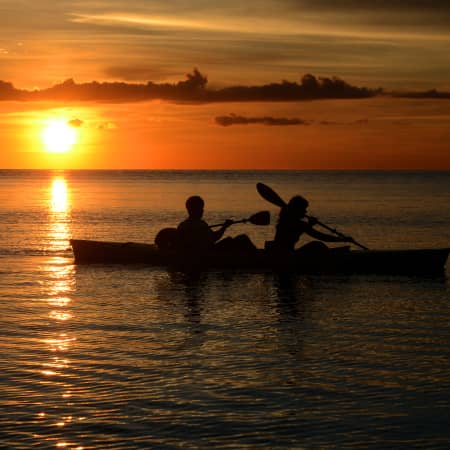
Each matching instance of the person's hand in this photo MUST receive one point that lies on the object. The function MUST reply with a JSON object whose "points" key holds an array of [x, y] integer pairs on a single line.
{"points": [[312, 221], [227, 223]]}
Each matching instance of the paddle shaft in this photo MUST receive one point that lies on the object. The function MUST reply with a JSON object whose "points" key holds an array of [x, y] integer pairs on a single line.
{"points": [[336, 232], [222, 224], [260, 218]]}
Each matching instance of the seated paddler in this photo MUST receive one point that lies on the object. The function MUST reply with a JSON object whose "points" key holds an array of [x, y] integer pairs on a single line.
{"points": [[293, 223], [194, 234]]}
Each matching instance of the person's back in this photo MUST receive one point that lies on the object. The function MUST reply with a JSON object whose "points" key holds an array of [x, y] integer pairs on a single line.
{"points": [[194, 235]]}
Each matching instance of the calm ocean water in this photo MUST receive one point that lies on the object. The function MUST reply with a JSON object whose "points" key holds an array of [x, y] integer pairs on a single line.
{"points": [[104, 357]]}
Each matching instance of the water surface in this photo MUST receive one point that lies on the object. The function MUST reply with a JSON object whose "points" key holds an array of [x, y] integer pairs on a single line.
{"points": [[117, 357]]}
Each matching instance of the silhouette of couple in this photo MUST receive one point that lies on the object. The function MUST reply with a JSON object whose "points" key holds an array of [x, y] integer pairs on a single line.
{"points": [[194, 237]]}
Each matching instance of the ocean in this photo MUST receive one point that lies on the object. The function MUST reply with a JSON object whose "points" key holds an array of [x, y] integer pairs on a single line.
{"points": [[133, 357]]}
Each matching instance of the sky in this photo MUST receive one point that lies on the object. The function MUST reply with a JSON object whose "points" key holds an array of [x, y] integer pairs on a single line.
{"points": [[199, 84]]}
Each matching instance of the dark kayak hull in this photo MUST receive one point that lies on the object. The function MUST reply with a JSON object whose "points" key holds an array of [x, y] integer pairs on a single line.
{"points": [[422, 262]]}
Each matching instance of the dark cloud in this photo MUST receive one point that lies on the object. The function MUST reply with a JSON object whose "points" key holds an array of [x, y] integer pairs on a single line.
{"points": [[76, 123], [385, 5], [9, 92], [428, 16], [355, 122], [192, 89], [433, 93], [310, 88], [107, 126], [233, 119]]}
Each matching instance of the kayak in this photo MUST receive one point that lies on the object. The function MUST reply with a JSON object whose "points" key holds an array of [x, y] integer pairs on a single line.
{"points": [[419, 262]]}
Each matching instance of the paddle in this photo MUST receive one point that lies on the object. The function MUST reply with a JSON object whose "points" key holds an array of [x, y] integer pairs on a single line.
{"points": [[260, 218], [271, 196]]}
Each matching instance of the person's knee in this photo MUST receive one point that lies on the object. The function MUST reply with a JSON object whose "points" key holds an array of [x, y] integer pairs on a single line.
{"points": [[244, 243]]}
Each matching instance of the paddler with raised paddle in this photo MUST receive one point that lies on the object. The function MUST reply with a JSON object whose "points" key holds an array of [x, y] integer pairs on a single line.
{"points": [[293, 221]]}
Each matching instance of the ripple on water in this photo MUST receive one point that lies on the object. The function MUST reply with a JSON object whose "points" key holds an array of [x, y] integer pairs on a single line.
{"points": [[154, 360]]}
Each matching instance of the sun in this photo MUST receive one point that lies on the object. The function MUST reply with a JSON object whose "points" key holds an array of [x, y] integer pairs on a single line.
{"points": [[58, 136]]}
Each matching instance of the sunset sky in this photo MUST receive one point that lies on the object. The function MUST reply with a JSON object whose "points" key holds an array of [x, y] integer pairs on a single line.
{"points": [[198, 84]]}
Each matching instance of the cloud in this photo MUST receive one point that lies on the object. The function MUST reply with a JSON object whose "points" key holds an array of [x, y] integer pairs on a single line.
{"points": [[433, 93], [9, 92], [233, 119], [435, 5], [310, 88], [76, 123], [279, 17], [405, 14], [107, 126], [192, 89], [355, 122]]}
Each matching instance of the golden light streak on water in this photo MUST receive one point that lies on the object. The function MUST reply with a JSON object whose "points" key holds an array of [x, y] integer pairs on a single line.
{"points": [[61, 343], [59, 195], [59, 273], [60, 279], [57, 315], [57, 364], [61, 301]]}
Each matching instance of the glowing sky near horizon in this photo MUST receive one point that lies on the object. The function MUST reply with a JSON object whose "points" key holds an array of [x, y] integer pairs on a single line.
{"points": [[395, 45]]}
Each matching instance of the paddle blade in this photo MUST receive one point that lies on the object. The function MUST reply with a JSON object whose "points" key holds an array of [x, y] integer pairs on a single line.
{"points": [[260, 218], [269, 194]]}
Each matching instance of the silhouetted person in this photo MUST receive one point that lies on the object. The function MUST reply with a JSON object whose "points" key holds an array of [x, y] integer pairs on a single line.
{"points": [[292, 223], [194, 235]]}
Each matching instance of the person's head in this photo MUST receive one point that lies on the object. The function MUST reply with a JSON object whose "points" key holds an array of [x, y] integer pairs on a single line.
{"points": [[194, 206], [298, 205]]}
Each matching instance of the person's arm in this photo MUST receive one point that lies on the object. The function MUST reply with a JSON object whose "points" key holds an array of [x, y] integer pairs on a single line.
{"points": [[220, 232], [323, 236]]}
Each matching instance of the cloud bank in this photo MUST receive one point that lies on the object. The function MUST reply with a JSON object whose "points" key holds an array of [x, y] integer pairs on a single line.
{"points": [[192, 89], [432, 93], [233, 119]]}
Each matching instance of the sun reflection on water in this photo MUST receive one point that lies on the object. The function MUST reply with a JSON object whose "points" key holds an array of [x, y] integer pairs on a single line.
{"points": [[59, 195], [60, 343], [60, 214], [59, 273]]}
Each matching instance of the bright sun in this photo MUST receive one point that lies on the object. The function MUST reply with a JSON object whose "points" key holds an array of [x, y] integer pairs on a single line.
{"points": [[58, 136]]}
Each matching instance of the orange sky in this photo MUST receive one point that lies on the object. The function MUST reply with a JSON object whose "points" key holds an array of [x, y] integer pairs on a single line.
{"points": [[251, 44], [379, 133]]}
